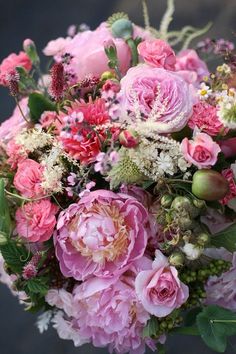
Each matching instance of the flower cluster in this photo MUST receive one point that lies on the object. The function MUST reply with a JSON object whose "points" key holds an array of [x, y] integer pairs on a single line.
{"points": [[117, 169]]}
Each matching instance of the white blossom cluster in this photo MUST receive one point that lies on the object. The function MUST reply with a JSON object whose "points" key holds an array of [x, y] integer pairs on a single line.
{"points": [[33, 139], [227, 108]]}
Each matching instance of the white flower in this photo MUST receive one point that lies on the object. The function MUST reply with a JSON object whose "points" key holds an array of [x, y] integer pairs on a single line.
{"points": [[165, 163], [191, 251], [204, 92], [227, 109], [224, 68], [43, 321]]}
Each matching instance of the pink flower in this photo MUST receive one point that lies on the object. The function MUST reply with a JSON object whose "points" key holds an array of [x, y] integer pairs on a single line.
{"points": [[11, 62], [35, 221], [28, 179], [15, 153], [50, 119], [56, 47], [202, 151], [157, 53], [228, 147], [159, 289], [205, 118], [189, 60], [229, 176], [154, 87], [13, 125], [101, 235]]}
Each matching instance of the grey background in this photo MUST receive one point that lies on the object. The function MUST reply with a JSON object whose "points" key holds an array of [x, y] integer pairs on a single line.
{"points": [[43, 20]]}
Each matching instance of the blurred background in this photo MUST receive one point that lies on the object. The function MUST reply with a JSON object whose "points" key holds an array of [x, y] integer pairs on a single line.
{"points": [[42, 21]]}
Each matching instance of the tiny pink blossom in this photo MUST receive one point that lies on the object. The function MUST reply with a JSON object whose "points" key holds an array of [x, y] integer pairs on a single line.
{"points": [[189, 60], [201, 152], [11, 62], [35, 221], [159, 289], [157, 53]]}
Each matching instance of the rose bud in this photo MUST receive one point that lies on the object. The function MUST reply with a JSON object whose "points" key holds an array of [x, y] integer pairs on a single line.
{"points": [[203, 239], [30, 49], [177, 259], [129, 138], [209, 185]]}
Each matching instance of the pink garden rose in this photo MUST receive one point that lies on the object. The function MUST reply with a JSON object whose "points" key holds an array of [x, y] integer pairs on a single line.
{"points": [[101, 235], [201, 152], [35, 221], [87, 51], [11, 62], [13, 125], [157, 53], [189, 60], [28, 179], [159, 289], [174, 106]]}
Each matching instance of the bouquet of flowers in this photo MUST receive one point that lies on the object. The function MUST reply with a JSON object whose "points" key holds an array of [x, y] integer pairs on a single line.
{"points": [[118, 185]]}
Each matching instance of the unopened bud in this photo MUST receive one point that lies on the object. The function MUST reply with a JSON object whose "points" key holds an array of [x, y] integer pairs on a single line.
{"points": [[203, 239], [166, 200], [122, 28], [3, 239], [129, 138], [177, 259], [30, 49]]}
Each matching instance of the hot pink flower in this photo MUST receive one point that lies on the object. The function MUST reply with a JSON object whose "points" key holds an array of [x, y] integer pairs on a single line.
{"points": [[202, 151], [50, 119], [35, 221], [101, 235], [12, 126], [28, 179], [189, 60], [145, 83], [11, 62], [159, 289], [205, 118], [229, 176], [157, 53]]}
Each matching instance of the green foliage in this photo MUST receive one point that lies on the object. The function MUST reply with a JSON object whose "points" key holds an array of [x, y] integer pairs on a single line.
{"points": [[5, 220], [215, 324], [26, 81], [151, 328], [38, 285], [38, 104], [225, 238], [15, 255]]}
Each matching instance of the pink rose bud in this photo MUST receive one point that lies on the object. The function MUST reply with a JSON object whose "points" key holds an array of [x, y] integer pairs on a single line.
{"points": [[129, 138], [109, 43], [30, 49], [27, 44]]}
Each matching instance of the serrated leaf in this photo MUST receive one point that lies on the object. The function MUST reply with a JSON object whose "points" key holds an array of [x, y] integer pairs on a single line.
{"points": [[5, 219], [225, 238], [38, 285], [151, 328], [215, 324], [15, 256], [38, 104]]}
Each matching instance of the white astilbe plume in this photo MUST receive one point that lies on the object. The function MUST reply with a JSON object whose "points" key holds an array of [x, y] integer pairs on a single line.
{"points": [[33, 139], [44, 320]]}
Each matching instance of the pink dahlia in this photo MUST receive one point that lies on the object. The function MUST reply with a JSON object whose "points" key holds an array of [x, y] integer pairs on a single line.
{"points": [[159, 289], [101, 235], [205, 118], [189, 60], [35, 221], [77, 134], [229, 176], [11, 62], [160, 90]]}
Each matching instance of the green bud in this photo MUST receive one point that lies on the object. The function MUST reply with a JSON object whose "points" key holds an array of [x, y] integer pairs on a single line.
{"points": [[31, 51], [203, 239], [107, 75], [122, 28], [177, 259], [199, 203], [3, 239], [209, 185], [166, 200], [185, 204]]}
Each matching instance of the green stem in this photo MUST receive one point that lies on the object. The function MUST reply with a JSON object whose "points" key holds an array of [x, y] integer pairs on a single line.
{"points": [[178, 180], [223, 321], [134, 51]]}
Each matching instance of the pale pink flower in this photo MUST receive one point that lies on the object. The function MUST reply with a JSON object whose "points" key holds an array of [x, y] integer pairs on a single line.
{"points": [[189, 60], [11, 62], [157, 53], [167, 90], [159, 289], [205, 118], [28, 179], [35, 221], [15, 153], [101, 235], [201, 152], [56, 47], [15, 124]]}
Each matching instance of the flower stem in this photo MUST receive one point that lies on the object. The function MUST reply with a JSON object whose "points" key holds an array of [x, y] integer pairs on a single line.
{"points": [[134, 52]]}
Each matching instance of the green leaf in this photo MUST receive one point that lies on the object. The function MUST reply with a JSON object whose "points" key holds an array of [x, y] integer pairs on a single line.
{"points": [[161, 348], [38, 104], [190, 317], [151, 328], [38, 286], [15, 256], [5, 219], [215, 324], [225, 238], [188, 331]]}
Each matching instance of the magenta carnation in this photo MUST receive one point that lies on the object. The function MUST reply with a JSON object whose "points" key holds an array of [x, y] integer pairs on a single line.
{"points": [[101, 235], [145, 83]]}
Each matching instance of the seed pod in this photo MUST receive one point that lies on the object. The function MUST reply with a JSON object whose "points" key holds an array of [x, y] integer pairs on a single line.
{"points": [[209, 185]]}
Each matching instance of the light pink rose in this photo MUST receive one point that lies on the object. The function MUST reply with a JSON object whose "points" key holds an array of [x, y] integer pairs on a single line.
{"points": [[35, 221], [145, 83], [159, 289], [157, 53], [189, 60], [11, 62], [28, 179], [56, 47], [201, 152], [101, 235], [13, 125]]}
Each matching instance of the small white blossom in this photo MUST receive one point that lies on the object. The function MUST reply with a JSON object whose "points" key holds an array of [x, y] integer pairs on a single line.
{"points": [[43, 321], [204, 92], [192, 251]]}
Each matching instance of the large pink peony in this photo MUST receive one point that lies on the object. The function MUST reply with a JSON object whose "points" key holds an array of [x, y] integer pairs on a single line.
{"points": [[101, 235], [202, 151], [13, 125], [11, 62], [159, 289], [35, 221], [173, 108], [28, 179], [189, 60], [87, 51]]}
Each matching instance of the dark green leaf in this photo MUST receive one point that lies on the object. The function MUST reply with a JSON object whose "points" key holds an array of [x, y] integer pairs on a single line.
{"points": [[151, 328], [15, 256], [38, 286], [5, 220], [188, 331], [225, 238], [38, 104], [190, 317], [161, 348], [215, 324]]}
